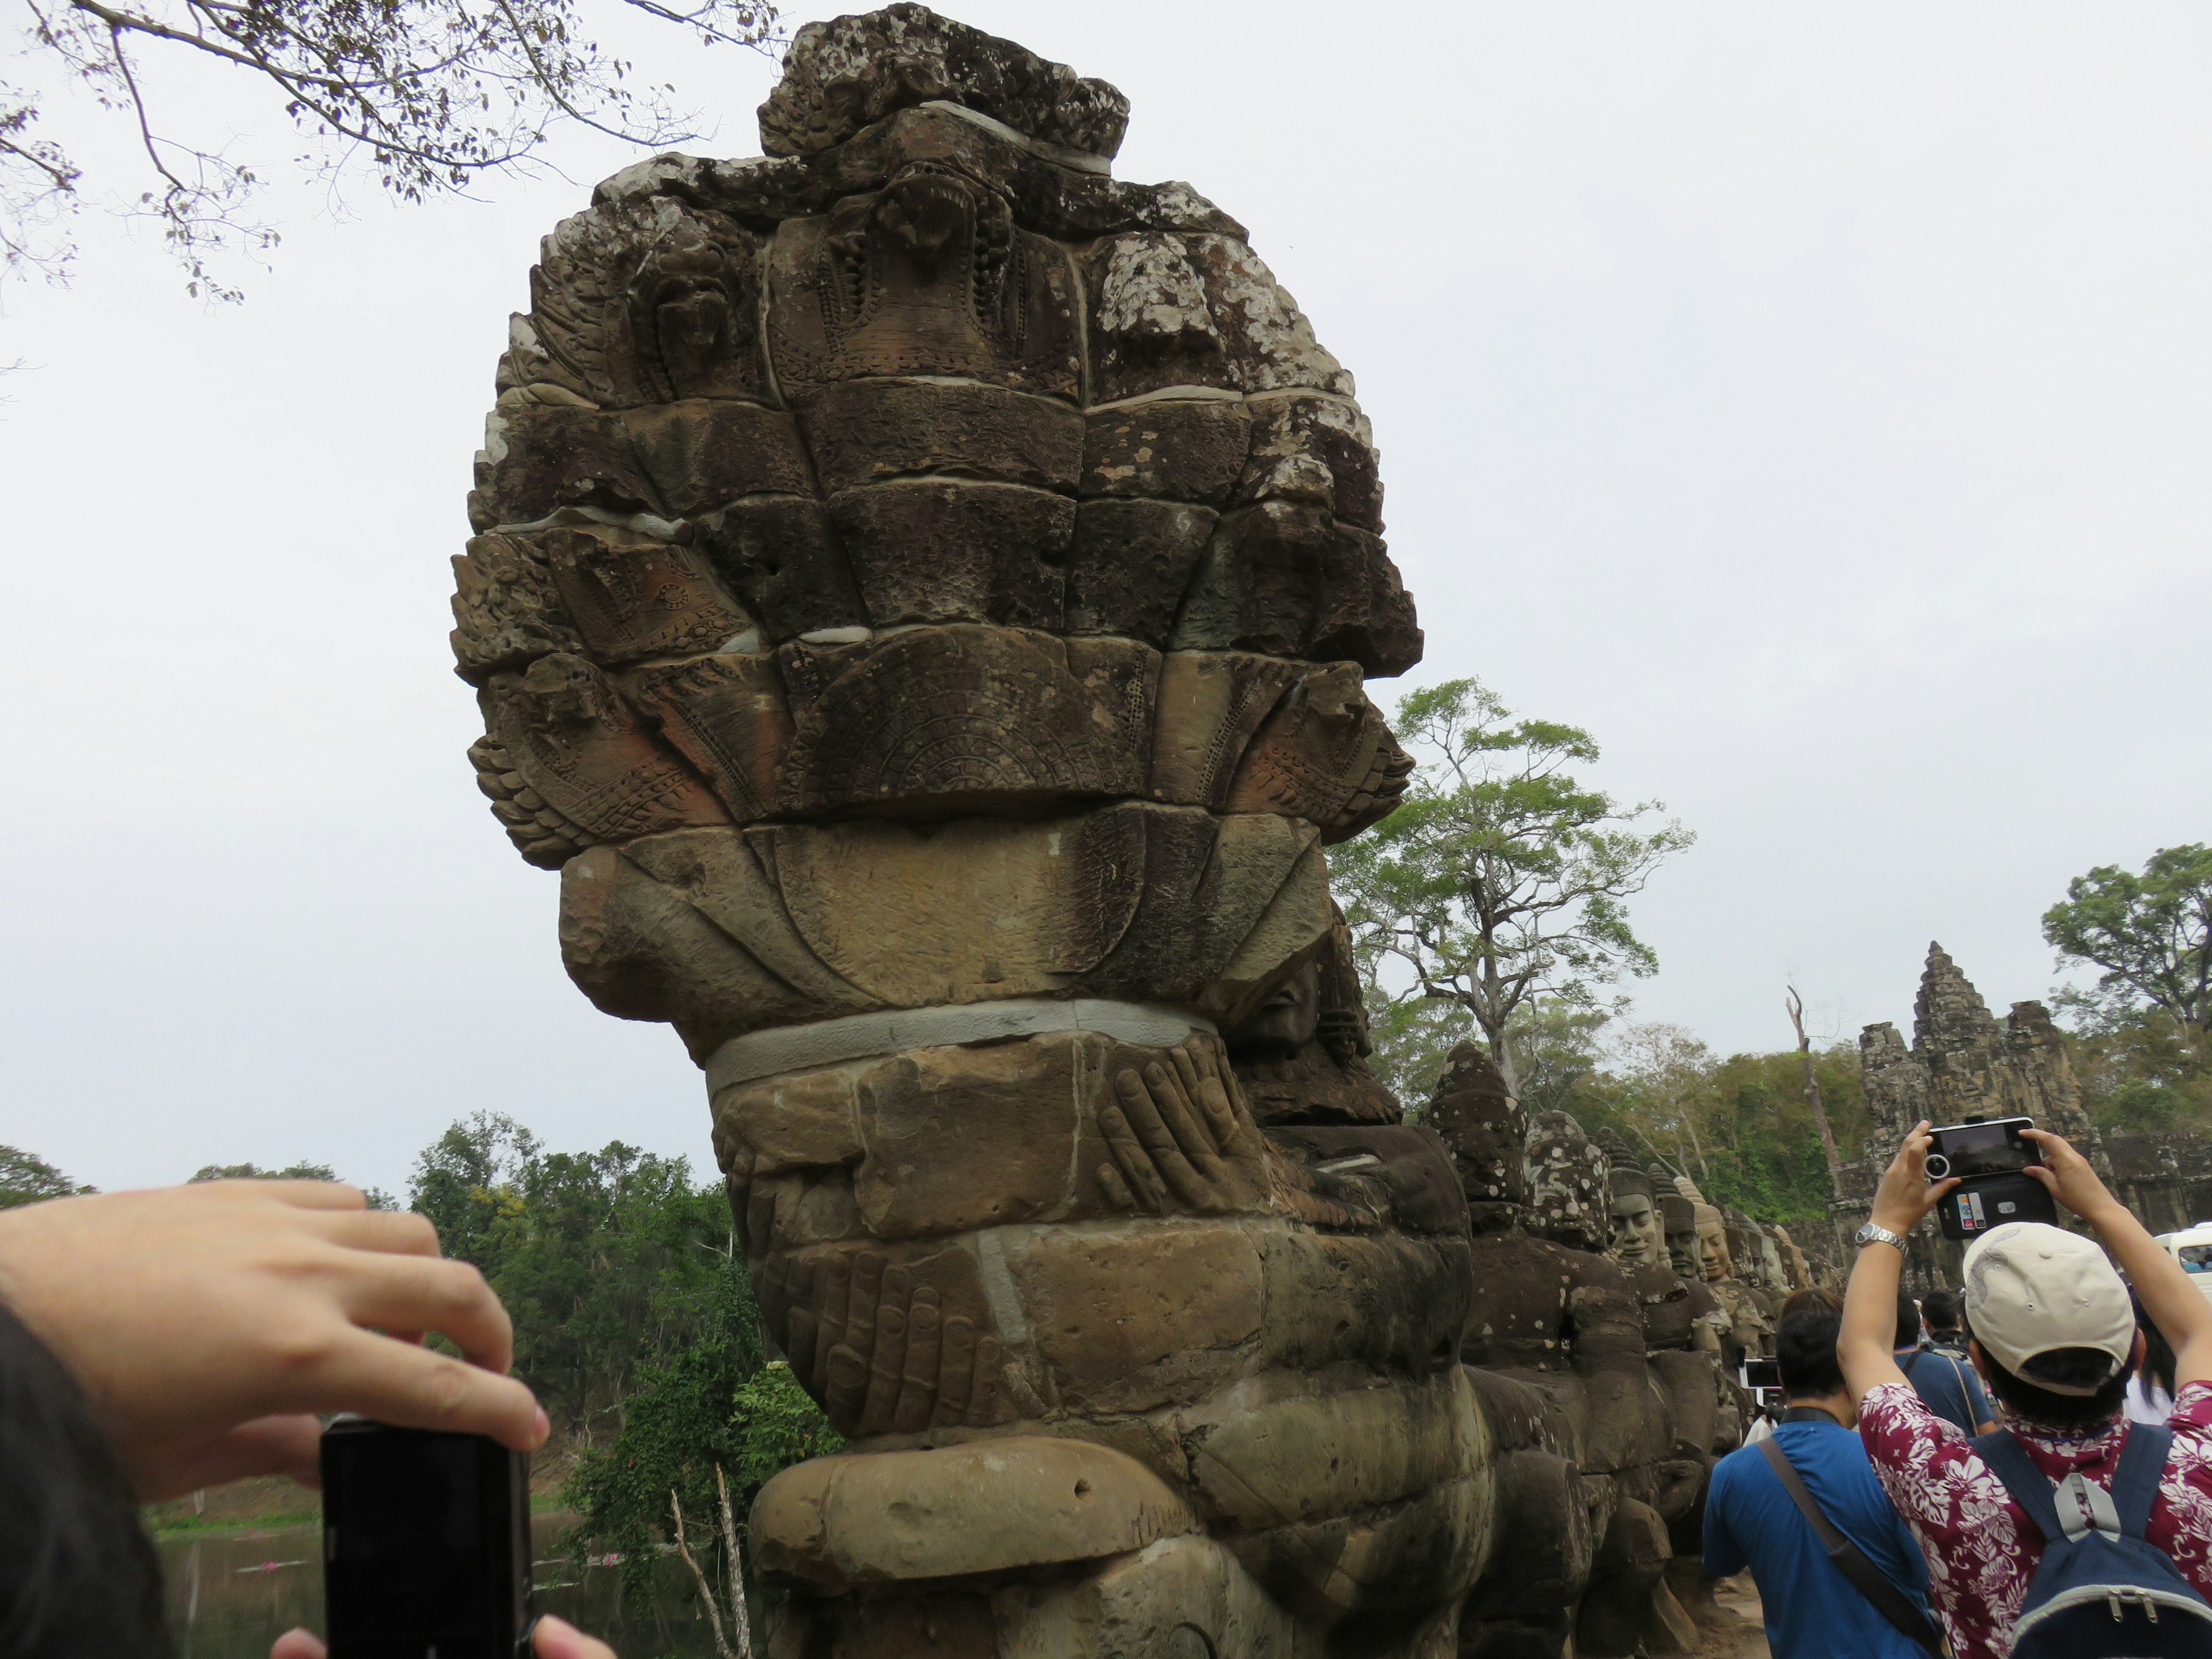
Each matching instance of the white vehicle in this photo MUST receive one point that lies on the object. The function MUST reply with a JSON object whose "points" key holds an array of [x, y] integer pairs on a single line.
{"points": [[2192, 1249]]}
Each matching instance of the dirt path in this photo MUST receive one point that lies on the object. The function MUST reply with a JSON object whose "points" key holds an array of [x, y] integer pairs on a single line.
{"points": [[1740, 1596]]}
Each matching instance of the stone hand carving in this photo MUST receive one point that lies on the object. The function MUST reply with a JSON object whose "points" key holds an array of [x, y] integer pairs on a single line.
{"points": [[882, 1355], [1179, 1140]]}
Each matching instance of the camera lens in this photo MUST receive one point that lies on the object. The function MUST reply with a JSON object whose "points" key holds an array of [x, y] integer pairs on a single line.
{"points": [[1938, 1166]]}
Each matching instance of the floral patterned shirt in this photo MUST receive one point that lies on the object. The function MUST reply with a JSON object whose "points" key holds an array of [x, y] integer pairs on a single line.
{"points": [[1982, 1549]]}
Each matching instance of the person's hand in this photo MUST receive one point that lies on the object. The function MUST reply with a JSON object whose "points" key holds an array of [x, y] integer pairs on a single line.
{"points": [[2070, 1177], [1905, 1197], [207, 1323], [550, 1638]]}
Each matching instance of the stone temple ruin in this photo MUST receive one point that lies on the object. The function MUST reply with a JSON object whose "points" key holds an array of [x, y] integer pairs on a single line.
{"points": [[1964, 1063], [921, 598]]}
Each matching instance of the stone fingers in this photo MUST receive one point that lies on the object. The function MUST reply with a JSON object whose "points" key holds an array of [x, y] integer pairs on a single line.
{"points": [[956, 1372], [1142, 1102], [983, 1402], [1194, 1130], [1109, 1178], [837, 1279], [1162, 1154], [1136, 1164], [1223, 1103], [847, 1393], [887, 1361], [918, 1389]]}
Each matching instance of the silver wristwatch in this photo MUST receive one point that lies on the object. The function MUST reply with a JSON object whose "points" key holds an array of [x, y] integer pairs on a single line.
{"points": [[1871, 1234]]}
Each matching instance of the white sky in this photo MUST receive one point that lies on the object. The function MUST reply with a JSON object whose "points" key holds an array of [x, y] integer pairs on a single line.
{"points": [[1811, 401]]}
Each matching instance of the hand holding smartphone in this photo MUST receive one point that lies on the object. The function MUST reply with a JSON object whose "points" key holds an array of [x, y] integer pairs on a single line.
{"points": [[1990, 1159]]}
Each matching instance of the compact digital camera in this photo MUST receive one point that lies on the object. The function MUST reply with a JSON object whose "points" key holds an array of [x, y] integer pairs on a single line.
{"points": [[1990, 1158]]}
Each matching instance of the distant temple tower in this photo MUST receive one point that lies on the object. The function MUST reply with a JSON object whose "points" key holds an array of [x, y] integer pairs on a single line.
{"points": [[1962, 1064]]}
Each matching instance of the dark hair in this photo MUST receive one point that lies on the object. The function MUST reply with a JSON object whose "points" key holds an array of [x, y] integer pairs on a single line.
{"points": [[1814, 1300], [1908, 1320], [2076, 1368], [1805, 1346], [78, 1575], [2158, 1363], [1940, 1310]]}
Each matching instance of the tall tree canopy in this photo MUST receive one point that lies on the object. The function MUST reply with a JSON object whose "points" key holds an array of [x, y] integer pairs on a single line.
{"points": [[2148, 933], [1499, 881], [424, 95]]}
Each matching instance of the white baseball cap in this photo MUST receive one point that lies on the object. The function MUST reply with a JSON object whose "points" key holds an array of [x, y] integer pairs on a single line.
{"points": [[2031, 1288]]}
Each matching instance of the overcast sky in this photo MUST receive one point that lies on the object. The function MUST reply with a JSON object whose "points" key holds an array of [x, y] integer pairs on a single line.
{"points": [[1810, 401]]}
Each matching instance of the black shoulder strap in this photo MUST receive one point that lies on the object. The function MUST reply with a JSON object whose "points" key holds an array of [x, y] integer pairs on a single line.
{"points": [[1866, 1578]]}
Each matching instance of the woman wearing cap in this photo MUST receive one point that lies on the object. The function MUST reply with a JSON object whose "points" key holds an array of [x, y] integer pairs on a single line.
{"points": [[2053, 1334]]}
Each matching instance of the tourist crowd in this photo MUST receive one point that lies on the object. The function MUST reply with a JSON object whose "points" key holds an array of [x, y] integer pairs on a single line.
{"points": [[1889, 1514]]}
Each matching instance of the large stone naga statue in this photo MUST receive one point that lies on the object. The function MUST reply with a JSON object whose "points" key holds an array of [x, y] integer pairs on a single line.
{"points": [[921, 600]]}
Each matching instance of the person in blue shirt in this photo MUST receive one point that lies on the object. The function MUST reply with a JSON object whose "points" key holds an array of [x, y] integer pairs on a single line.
{"points": [[1945, 1382], [1812, 1611]]}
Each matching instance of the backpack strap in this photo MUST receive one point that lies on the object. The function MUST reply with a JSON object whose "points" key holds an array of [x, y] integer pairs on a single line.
{"points": [[2030, 1488], [2134, 1482], [2086, 1506], [1865, 1578]]}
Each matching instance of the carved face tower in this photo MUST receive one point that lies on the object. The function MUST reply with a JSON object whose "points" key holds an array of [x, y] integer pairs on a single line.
{"points": [[920, 601]]}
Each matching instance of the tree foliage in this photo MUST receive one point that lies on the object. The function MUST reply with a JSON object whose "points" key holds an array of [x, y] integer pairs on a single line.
{"points": [[1499, 882], [608, 1261], [424, 95], [2148, 933], [717, 1404], [1740, 1126], [27, 1178]]}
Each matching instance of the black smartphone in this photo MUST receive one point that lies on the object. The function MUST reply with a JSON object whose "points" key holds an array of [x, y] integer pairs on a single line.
{"points": [[1988, 1158], [426, 1544], [1994, 1147]]}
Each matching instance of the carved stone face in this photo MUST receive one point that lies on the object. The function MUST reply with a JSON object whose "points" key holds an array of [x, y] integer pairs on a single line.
{"points": [[1487, 1132], [1568, 1194], [1635, 1235], [1713, 1242], [1284, 1023], [1678, 1217], [1777, 1272]]}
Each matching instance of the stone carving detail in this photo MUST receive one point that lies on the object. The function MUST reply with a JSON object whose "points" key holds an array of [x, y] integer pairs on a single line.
{"points": [[921, 599], [1609, 1414]]}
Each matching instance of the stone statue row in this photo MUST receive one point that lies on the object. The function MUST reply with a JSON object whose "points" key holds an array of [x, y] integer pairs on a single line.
{"points": [[1606, 1326], [921, 599]]}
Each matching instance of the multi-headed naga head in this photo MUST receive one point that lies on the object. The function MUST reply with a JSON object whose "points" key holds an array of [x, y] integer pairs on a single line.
{"points": [[921, 598]]}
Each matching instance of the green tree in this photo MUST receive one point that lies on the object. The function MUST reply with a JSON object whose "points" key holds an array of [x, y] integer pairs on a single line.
{"points": [[2140, 1072], [717, 1404], [1742, 1126], [425, 96], [27, 1178], [608, 1267], [469, 1180], [2148, 934], [1499, 882]]}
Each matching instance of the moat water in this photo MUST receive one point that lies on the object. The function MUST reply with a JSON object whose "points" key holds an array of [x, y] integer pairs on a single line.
{"points": [[232, 1593]]}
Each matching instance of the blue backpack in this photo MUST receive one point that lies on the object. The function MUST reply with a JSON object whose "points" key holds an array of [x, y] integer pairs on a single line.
{"points": [[2102, 1590]]}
